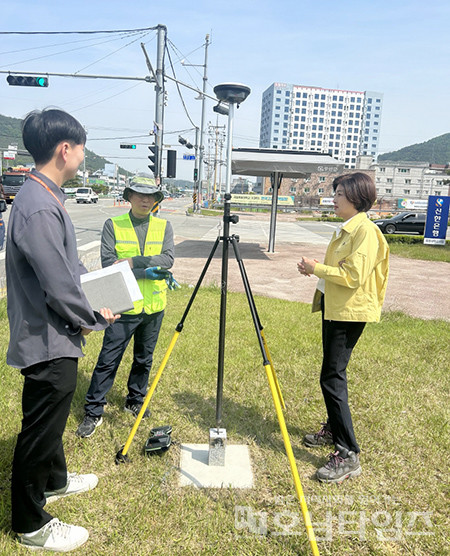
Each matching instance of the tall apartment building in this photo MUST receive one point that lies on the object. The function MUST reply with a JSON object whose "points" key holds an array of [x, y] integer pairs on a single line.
{"points": [[345, 124]]}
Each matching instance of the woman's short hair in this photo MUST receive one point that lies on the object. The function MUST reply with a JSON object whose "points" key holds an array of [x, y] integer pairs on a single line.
{"points": [[359, 189], [43, 130]]}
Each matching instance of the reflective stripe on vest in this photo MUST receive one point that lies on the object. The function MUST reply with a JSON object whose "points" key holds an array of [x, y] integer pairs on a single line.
{"points": [[127, 245]]}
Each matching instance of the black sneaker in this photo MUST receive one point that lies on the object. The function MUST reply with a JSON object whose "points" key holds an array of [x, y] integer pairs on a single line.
{"points": [[134, 409], [321, 438], [88, 426], [343, 464]]}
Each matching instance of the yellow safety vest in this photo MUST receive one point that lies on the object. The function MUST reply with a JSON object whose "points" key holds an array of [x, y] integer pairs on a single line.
{"points": [[127, 245]]}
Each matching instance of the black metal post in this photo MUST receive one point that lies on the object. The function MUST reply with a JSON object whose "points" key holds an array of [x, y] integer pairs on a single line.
{"points": [[223, 308]]}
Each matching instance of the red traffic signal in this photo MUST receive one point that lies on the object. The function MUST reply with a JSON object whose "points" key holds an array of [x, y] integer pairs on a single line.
{"points": [[27, 81]]}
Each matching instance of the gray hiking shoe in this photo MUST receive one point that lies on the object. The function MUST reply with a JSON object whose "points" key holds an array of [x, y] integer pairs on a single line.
{"points": [[87, 427], [343, 464], [321, 438]]}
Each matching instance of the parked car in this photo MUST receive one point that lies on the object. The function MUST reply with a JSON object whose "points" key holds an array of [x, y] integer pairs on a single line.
{"points": [[86, 195], [403, 222]]}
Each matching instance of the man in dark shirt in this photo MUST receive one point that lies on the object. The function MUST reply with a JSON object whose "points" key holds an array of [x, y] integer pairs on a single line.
{"points": [[146, 242], [48, 317]]}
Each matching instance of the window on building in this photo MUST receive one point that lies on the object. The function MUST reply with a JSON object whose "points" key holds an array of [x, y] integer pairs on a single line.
{"points": [[389, 180], [293, 190], [322, 178], [306, 190], [408, 182], [320, 190], [407, 191], [388, 190]]}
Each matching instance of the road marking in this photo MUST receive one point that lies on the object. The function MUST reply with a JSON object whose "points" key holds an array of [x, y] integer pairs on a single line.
{"points": [[88, 246]]}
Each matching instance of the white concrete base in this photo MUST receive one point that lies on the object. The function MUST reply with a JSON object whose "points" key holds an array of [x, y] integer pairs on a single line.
{"points": [[195, 471]]}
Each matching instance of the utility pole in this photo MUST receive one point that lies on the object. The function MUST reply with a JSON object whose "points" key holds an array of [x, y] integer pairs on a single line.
{"points": [[159, 105], [217, 134], [202, 124], [196, 201]]}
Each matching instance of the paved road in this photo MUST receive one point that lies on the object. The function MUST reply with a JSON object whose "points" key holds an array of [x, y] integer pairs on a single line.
{"points": [[419, 288], [88, 222]]}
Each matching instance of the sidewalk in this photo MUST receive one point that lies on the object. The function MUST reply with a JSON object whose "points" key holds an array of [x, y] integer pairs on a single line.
{"points": [[417, 288]]}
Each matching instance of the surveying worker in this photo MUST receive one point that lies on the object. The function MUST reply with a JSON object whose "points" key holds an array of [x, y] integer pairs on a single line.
{"points": [[146, 242]]}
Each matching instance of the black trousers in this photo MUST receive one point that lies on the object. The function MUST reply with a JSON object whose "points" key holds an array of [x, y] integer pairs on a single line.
{"points": [[338, 340], [39, 463], [145, 329]]}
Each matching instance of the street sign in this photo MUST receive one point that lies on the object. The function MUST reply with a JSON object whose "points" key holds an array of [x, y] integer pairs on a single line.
{"points": [[437, 220], [188, 157], [9, 155]]}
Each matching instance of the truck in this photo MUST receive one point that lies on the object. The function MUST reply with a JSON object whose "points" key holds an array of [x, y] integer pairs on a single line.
{"points": [[12, 181], [86, 195]]}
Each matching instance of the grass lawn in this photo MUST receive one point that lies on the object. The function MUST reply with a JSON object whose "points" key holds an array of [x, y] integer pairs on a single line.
{"points": [[398, 385], [421, 251]]}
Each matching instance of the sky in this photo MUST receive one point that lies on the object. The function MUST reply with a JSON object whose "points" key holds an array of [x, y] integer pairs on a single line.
{"points": [[400, 49]]}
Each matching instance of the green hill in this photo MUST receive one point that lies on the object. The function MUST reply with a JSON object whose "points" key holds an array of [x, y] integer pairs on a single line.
{"points": [[11, 134], [434, 151]]}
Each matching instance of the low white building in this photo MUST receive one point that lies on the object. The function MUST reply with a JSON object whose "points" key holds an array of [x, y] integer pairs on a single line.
{"points": [[413, 180]]}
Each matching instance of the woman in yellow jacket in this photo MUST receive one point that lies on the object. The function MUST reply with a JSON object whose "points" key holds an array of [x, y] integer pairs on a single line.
{"points": [[350, 292]]}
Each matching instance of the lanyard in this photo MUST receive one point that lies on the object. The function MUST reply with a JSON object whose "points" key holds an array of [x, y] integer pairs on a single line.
{"points": [[35, 178]]}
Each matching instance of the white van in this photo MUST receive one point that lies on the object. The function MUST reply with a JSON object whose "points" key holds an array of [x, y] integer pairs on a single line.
{"points": [[86, 195]]}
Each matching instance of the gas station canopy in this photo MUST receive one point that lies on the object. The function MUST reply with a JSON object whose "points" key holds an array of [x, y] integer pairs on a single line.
{"points": [[279, 164]]}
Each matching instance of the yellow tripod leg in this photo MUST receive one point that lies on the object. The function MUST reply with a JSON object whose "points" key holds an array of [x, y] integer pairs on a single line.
{"points": [[290, 455], [149, 394], [275, 379]]}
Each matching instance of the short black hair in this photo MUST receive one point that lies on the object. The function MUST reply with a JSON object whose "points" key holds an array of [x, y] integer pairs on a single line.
{"points": [[359, 189], [43, 130]]}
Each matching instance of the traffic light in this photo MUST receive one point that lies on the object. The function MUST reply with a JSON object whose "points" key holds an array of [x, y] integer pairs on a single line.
{"points": [[127, 146], [195, 174], [27, 81], [154, 157], [171, 164], [185, 142]]}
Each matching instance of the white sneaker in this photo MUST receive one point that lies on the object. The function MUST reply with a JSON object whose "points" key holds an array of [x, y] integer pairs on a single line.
{"points": [[55, 536], [75, 484]]}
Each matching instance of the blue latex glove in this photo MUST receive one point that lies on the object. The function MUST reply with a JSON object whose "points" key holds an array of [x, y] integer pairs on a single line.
{"points": [[157, 273]]}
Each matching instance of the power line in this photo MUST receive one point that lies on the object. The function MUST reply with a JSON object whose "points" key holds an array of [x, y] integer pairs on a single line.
{"points": [[76, 32], [178, 89]]}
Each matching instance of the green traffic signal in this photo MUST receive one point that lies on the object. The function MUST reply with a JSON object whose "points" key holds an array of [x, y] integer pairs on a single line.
{"points": [[27, 81]]}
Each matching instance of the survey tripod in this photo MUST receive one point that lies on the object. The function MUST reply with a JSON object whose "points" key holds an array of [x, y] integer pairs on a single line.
{"points": [[121, 456]]}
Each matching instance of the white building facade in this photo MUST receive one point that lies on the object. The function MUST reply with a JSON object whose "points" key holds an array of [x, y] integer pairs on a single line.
{"points": [[413, 180], [345, 124]]}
